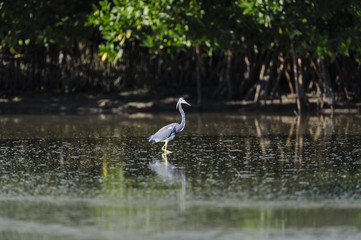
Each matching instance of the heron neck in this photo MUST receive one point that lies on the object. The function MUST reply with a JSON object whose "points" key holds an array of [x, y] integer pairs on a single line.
{"points": [[183, 123]]}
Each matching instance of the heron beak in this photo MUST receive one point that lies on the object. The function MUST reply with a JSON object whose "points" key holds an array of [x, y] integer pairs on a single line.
{"points": [[183, 101]]}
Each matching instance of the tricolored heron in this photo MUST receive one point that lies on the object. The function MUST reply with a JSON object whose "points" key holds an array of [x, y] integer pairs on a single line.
{"points": [[167, 133]]}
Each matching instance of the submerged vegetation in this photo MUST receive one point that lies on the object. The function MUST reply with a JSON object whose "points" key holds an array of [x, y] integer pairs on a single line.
{"points": [[240, 49]]}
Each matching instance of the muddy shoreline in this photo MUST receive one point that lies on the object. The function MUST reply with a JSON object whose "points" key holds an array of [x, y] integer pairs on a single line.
{"points": [[132, 103]]}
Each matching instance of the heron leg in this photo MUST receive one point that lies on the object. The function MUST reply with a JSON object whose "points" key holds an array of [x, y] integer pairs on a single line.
{"points": [[164, 148]]}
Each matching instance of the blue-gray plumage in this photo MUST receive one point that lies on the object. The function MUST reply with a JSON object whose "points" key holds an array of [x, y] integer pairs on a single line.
{"points": [[168, 133]]}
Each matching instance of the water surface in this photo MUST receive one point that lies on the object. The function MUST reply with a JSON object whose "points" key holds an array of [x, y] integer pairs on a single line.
{"points": [[229, 177]]}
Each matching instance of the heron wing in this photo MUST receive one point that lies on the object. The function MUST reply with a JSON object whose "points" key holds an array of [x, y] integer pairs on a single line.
{"points": [[163, 133]]}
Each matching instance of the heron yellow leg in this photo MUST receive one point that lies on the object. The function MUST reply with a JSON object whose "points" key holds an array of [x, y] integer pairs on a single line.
{"points": [[164, 148]]}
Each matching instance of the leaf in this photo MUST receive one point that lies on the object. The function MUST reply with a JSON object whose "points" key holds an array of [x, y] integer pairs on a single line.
{"points": [[120, 36], [104, 56], [119, 55], [128, 33], [12, 50]]}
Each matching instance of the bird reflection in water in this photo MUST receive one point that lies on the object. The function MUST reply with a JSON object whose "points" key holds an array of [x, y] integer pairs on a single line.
{"points": [[170, 173]]}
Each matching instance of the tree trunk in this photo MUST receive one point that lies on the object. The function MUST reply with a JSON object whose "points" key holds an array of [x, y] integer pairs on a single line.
{"points": [[198, 70], [317, 82], [228, 74], [280, 71], [295, 76], [288, 77], [329, 96], [261, 77], [301, 89]]}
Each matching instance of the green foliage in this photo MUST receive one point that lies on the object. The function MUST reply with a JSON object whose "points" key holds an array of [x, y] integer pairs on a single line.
{"points": [[28, 24], [170, 25], [51, 32], [154, 24], [320, 27]]}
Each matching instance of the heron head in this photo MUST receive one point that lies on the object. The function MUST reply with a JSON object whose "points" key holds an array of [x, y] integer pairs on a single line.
{"points": [[180, 101]]}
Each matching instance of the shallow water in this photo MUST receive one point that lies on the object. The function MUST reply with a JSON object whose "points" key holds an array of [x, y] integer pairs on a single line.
{"points": [[229, 177]]}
